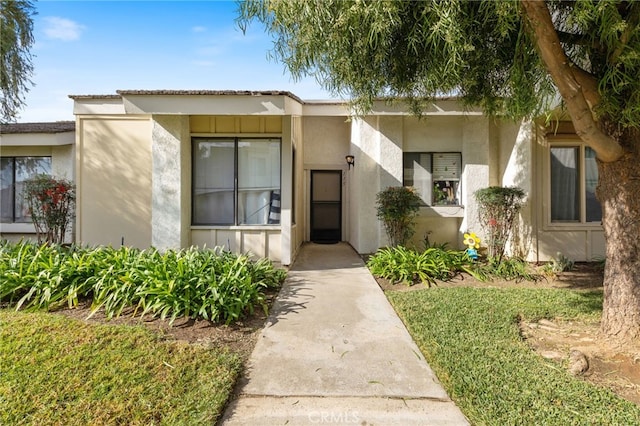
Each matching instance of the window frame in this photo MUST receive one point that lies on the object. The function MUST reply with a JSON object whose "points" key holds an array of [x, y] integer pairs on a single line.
{"points": [[431, 156], [236, 189], [581, 223], [14, 194]]}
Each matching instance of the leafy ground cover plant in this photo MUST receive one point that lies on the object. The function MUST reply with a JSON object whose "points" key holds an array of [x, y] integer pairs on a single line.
{"points": [[212, 284], [503, 268], [471, 339], [57, 370], [404, 265]]}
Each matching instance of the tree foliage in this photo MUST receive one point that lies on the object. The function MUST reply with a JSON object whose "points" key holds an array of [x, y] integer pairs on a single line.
{"points": [[518, 59], [16, 40], [484, 52]]}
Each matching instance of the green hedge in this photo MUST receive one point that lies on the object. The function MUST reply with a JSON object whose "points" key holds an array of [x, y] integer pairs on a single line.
{"points": [[212, 284]]}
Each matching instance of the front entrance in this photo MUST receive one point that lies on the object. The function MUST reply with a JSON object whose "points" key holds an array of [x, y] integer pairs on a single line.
{"points": [[326, 206]]}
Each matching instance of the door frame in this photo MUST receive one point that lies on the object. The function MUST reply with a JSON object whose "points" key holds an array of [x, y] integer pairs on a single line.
{"points": [[344, 192]]}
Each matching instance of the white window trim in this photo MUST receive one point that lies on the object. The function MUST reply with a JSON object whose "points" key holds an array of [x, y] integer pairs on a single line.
{"points": [[17, 228], [454, 210]]}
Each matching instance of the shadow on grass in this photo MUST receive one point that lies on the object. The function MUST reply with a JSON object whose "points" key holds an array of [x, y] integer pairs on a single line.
{"points": [[588, 302]]}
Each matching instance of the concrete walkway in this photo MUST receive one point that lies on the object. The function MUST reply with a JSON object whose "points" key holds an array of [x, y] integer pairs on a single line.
{"points": [[335, 352]]}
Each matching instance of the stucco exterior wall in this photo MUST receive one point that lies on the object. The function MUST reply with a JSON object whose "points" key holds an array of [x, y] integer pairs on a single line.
{"points": [[476, 150], [364, 184], [114, 170], [326, 143], [171, 162], [433, 133], [379, 143], [516, 169]]}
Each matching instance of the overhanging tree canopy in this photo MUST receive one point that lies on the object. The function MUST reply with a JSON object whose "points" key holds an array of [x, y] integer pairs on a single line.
{"points": [[16, 39], [515, 59]]}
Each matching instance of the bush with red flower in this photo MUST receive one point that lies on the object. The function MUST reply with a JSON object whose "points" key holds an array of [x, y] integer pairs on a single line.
{"points": [[51, 204], [498, 209]]}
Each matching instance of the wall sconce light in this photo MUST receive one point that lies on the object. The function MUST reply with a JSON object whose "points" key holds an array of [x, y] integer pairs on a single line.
{"points": [[351, 160]]}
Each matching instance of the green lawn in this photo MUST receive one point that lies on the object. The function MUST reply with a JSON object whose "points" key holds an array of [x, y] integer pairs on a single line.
{"points": [[57, 370], [470, 338]]}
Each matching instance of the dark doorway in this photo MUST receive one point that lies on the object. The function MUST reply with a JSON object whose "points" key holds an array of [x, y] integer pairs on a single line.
{"points": [[326, 206]]}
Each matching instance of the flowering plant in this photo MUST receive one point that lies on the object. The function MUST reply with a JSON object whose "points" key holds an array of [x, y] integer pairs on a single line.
{"points": [[51, 204]]}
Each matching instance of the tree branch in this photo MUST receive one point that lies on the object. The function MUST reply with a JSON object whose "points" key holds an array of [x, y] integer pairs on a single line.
{"points": [[571, 83], [633, 19], [579, 39]]}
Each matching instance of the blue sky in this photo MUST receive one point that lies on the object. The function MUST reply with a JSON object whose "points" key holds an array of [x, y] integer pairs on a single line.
{"points": [[98, 47]]}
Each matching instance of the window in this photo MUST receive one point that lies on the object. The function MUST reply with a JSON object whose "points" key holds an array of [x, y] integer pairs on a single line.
{"points": [[574, 176], [13, 172], [434, 175], [236, 181]]}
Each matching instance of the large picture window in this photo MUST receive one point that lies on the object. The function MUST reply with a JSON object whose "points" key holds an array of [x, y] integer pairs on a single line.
{"points": [[14, 171], [236, 181], [434, 175], [574, 177]]}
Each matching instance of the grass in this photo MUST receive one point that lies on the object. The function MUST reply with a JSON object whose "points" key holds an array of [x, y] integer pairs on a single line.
{"points": [[470, 338], [56, 370]]}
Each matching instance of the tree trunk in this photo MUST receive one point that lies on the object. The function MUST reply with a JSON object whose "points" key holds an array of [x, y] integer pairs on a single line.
{"points": [[619, 193]]}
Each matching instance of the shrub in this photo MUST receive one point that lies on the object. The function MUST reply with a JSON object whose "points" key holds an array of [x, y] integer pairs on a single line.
{"points": [[400, 264], [51, 204], [506, 269], [212, 284], [558, 264], [397, 208], [498, 210]]}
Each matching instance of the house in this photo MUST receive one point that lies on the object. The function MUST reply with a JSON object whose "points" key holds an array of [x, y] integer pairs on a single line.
{"points": [[263, 172], [28, 149]]}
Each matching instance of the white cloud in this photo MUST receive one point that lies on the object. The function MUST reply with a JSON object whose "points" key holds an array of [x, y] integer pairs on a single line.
{"points": [[62, 28], [198, 29]]}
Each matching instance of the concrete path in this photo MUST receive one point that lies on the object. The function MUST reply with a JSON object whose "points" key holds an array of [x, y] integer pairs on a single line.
{"points": [[335, 352]]}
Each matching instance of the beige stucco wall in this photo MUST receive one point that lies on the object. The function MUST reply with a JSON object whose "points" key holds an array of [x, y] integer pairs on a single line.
{"points": [[516, 169], [171, 182], [379, 143], [326, 143], [433, 133], [114, 168]]}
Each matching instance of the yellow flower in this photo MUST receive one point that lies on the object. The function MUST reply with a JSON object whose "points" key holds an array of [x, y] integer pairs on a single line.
{"points": [[471, 240]]}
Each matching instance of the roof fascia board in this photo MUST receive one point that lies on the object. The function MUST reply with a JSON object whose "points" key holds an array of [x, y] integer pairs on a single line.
{"points": [[98, 106], [38, 139], [447, 107], [210, 104]]}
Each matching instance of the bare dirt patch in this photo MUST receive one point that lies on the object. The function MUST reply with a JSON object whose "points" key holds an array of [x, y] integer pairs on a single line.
{"points": [[240, 337], [609, 364]]}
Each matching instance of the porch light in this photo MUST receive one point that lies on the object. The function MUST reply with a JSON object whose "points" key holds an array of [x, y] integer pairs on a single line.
{"points": [[351, 160]]}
